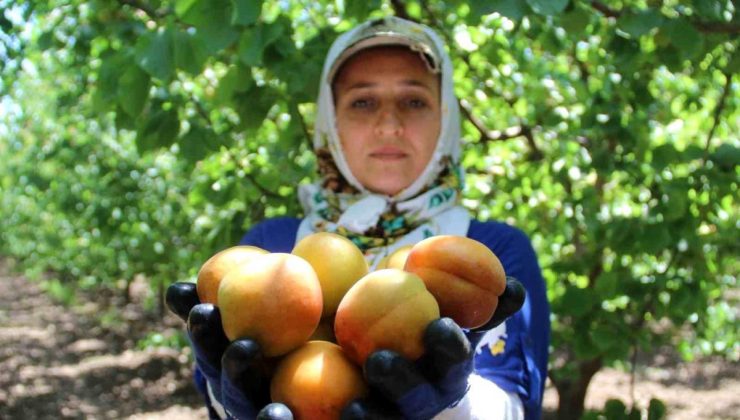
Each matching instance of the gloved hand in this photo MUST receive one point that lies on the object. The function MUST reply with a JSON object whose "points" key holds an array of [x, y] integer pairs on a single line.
{"points": [[439, 379], [236, 372]]}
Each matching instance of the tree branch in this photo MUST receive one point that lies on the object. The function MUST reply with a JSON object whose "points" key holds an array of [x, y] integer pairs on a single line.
{"points": [[718, 111], [716, 27], [138, 4], [400, 10], [302, 121], [605, 10], [486, 134], [702, 26]]}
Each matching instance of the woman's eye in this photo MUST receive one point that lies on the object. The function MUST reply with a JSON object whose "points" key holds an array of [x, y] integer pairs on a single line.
{"points": [[416, 103], [361, 103]]}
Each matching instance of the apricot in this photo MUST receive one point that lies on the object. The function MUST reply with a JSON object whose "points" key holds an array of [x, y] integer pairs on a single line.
{"points": [[338, 263], [386, 309], [397, 259], [274, 299], [216, 267], [464, 275], [316, 381]]}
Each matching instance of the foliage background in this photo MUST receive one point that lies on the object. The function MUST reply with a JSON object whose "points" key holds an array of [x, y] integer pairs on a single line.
{"points": [[140, 136]]}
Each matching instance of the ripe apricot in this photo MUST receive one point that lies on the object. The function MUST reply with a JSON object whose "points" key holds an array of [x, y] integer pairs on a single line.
{"points": [[397, 259], [316, 381], [216, 267], [338, 263], [464, 275], [386, 309], [274, 299]]}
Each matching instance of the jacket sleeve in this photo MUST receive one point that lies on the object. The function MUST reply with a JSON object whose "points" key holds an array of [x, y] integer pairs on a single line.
{"points": [[274, 235], [514, 355]]}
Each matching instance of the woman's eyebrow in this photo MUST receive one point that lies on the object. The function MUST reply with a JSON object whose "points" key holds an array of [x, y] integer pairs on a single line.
{"points": [[408, 82]]}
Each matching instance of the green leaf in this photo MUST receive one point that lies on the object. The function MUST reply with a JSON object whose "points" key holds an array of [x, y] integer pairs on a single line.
{"points": [[45, 40], [575, 21], [677, 205], [687, 40], [253, 106], [237, 79], [734, 65], [640, 23], [604, 337], [182, 6], [727, 155], [656, 410], [210, 21], [664, 155], [133, 90], [106, 90], [615, 409], [254, 41], [360, 9], [158, 131], [576, 301], [190, 53], [250, 47], [155, 54], [246, 12], [654, 238], [548, 7], [708, 9], [5, 24], [198, 143]]}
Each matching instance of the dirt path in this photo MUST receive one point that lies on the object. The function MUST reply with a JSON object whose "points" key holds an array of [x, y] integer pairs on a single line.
{"points": [[59, 362]]}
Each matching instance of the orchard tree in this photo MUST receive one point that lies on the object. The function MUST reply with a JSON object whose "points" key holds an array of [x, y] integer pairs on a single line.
{"points": [[606, 130]]}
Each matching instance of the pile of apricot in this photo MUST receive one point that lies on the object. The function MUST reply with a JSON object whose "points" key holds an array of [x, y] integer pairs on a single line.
{"points": [[319, 310]]}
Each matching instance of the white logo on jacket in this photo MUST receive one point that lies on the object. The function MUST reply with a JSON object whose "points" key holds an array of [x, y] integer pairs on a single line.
{"points": [[493, 341]]}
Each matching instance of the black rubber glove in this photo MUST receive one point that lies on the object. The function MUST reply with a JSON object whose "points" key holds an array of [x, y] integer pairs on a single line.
{"points": [[439, 379], [236, 372]]}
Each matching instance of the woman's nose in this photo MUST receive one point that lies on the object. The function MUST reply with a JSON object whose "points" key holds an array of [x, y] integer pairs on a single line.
{"points": [[389, 123]]}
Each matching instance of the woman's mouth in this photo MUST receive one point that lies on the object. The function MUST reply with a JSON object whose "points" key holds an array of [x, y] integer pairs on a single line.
{"points": [[388, 153]]}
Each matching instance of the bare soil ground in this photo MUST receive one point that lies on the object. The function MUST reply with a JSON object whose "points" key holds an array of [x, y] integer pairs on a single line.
{"points": [[64, 362]]}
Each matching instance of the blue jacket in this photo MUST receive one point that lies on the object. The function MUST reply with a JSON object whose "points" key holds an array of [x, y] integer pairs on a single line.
{"points": [[517, 361]]}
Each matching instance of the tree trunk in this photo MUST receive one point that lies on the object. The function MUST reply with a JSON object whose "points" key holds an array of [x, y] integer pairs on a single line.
{"points": [[572, 391]]}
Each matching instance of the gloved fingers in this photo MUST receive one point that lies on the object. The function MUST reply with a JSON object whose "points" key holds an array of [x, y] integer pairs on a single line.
{"points": [[370, 408], [206, 334], [508, 303], [275, 411], [180, 298], [245, 368], [448, 357], [391, 374]]}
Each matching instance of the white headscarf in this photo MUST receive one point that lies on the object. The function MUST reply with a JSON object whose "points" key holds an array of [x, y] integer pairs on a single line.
{"points": [[429, 206]]}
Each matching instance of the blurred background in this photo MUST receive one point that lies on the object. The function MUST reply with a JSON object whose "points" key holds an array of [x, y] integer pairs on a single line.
{"points": [[139, 137]]}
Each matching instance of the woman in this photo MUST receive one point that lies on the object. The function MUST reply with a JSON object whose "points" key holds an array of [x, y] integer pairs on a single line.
{"points": [[388, 147]]}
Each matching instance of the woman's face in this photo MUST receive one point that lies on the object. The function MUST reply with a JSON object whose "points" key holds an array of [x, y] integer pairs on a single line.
{"points": [[388, 117]]}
